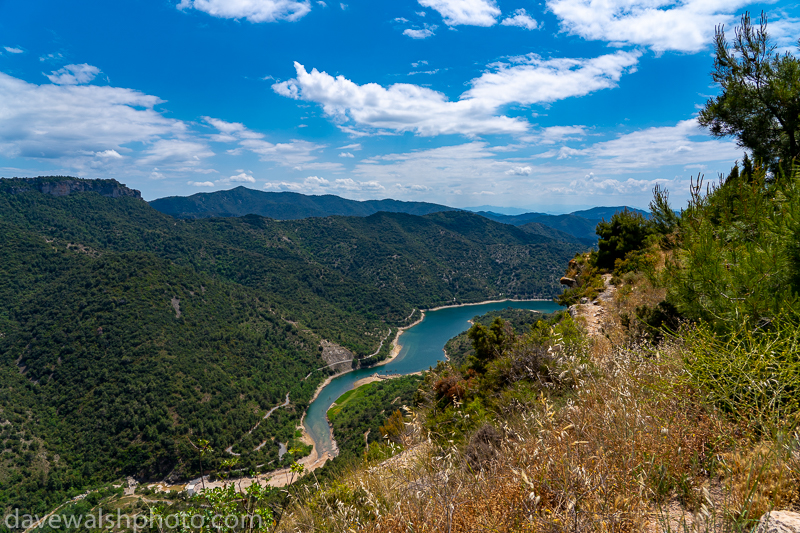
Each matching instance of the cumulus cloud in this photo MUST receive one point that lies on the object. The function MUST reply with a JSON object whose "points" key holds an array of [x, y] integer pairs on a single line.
{"points": [[531, 79], [460, 166], [60, 121], [200, 183], [346, 154], [108, 154], [405, 107], [242, 177], [519, 171], [521, 19], [683, 25], [13, 50], [252, 10], [292, 153], [176, 152], [315, 184], [597, 185], [400, 107], [418, 63], [428, 31], [465, 12], [73, 74], [685, 144]]}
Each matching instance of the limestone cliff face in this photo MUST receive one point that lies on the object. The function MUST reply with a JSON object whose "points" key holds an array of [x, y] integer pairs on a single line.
{"points": [[64, 186]]}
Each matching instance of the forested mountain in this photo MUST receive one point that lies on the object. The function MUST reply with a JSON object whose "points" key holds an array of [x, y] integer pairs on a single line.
{"points": [[127, 335], [574, 227], [580, 224], [282, 205]]}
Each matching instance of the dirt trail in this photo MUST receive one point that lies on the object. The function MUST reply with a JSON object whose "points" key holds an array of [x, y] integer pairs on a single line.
{"points": [[594, 312]]}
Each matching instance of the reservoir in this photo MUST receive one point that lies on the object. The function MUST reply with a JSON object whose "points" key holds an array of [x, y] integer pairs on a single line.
{"points": [[422, 347]]}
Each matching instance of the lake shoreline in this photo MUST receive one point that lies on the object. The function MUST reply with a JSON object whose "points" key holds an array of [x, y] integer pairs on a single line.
{"points": [[396, 349]]}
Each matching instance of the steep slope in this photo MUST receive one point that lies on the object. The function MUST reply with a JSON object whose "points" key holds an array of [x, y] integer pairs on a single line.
{"points": [[281, 205]]}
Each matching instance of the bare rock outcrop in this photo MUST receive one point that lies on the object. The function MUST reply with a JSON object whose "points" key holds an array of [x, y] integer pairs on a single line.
{"points": [[65, 185], [336, 357], [779, 522]]}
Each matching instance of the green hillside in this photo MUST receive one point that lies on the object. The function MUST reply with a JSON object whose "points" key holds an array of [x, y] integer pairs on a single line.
{"points": [[126, 335], [242, 201]]}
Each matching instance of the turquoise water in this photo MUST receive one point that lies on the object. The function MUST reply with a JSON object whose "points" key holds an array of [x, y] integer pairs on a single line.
{"points": [[422, 346]]}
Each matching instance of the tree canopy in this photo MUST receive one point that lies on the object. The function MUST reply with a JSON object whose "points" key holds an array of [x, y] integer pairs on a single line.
{"points": [[760, 100]]}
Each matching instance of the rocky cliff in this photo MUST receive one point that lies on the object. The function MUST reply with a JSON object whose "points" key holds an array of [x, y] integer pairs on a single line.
{"points": [[65, 185]]}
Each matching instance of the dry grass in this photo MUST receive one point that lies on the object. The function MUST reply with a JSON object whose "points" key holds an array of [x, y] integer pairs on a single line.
{"points": [[633, 448]]}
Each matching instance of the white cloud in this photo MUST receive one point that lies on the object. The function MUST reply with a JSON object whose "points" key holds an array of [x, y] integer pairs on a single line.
{"points": [[283, 186], [465, 12], [13, 50], [430, 72], [421, 13], [597, 185], [785, 32], [685, 144], [531, 79], [252, 10], [413, 187], [343, 6], [292, 153], [401, 20], [420, 34], [176, 152], [354, 146], [51, 57], [321, 3], [242, 177], [77, 121], [556, 134], [314, 181], [437, 167], [683, 25], [315, 184], [519, 171], [418, 63], [73, 74], [200, 183], [346, 154], [405, 107], [521, 19], [108, 154]]}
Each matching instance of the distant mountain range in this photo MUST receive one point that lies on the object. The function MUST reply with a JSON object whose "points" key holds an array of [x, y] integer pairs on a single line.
{"points": [[283, 205], [573, 227]]}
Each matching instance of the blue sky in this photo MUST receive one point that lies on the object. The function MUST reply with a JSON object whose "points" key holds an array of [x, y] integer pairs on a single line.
{"points": [[549, 106]]}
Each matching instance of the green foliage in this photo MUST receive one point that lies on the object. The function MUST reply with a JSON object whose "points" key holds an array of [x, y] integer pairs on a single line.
{"points": [[488, 343], [760, 100], [624, 233], [124, 331], [752, 374], [460, 348], [739, 256], [221, 510], [663, 219], [357, 415]]}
